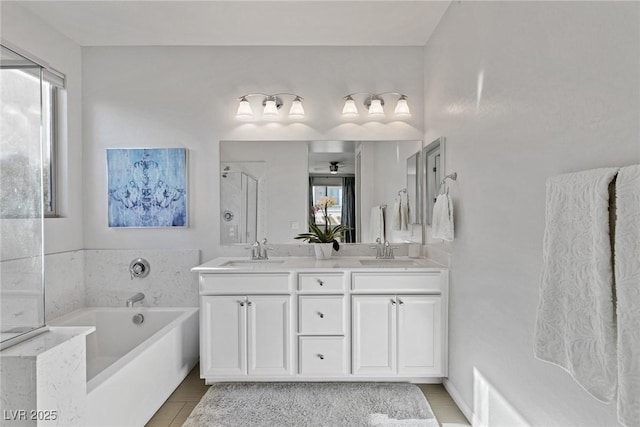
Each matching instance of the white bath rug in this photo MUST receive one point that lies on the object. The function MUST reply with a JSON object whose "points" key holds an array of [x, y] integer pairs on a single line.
{"points": [[312, 404]]}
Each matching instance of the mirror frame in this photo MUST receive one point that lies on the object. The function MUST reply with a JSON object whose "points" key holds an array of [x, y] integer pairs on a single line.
{"points": [[431, 189]]}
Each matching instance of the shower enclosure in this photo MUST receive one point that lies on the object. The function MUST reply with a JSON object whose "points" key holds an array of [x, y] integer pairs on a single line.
{"points": [[239, 208], [21, 198]]}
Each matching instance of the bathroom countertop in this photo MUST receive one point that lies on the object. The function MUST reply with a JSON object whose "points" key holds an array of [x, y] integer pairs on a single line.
{"points": [[39, 344], [286, 264]]}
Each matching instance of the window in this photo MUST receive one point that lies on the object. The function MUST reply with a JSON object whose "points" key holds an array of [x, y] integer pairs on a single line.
{"points": [[333, 212], [29, 117]]}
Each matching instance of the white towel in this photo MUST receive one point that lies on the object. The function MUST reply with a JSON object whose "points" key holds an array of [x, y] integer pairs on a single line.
{"points": [[405, 212], [575, 326], [396, 221], [442, 221], [376, 225], [627, 277]]}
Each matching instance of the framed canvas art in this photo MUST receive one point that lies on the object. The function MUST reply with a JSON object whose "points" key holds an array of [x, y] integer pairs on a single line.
{"points": [[147, 187]]}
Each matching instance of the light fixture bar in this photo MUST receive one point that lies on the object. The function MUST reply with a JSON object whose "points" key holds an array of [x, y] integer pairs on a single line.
{"points": [[374, 103], [271, 104]]}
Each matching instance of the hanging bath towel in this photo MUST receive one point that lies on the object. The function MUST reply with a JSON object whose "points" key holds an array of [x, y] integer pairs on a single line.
{"points": [[376, 226], [442, 222], [627, 278], [396, 221], [405, 212], [575, 325]]}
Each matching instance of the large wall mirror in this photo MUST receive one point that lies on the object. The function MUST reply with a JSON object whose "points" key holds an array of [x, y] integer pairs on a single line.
{"points": [[269, 189]]}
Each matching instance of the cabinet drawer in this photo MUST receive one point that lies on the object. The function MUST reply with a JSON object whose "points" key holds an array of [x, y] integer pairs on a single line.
{"points": [[397, 282], [323, 356], [321, 315], [324, 282], [262, 283]]}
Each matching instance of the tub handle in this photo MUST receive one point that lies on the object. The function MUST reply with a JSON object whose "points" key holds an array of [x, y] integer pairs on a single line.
{"points": [[139, 268]]}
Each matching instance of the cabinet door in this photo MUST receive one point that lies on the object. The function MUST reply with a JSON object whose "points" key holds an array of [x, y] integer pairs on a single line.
{"points": [[419, 335], [269, 333], [374, 335], [223, 339]]}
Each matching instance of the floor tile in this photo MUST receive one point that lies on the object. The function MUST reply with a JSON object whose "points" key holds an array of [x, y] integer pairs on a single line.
{"points": [[166, 414]]}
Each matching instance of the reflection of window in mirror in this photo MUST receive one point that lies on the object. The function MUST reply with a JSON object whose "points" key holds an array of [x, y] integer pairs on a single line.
{"points": [[334, 212], [433, 161]]}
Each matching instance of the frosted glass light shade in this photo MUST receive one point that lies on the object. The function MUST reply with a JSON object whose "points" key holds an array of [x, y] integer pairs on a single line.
{"points": [[375, 109], [244, 110], [402, 108], [297, 110], [349, 110], [270, 109]]}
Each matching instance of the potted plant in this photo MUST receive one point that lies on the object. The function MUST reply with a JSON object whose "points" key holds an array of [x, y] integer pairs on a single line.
{"points": [[325, 237]]}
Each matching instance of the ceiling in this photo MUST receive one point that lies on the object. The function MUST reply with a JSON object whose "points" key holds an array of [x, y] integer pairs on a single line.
{"points": [[242, 23]]}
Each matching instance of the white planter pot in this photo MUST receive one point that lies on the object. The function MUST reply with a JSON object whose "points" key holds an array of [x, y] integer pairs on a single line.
{"points": [[323, 250]]}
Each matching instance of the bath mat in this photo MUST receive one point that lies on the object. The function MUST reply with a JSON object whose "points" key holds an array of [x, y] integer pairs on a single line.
{"points": [[312, 404]]}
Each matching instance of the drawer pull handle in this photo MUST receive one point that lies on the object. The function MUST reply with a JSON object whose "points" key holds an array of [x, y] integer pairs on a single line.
{"points": [[249, 303], [393, 302], [241, 304], [321, 315], [321, 356], [400, 302], [320, 282]]}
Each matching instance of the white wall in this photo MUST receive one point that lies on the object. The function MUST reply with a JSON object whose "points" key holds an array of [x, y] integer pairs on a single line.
{"points": [[524, 91], [186, 97], [29, 33]]}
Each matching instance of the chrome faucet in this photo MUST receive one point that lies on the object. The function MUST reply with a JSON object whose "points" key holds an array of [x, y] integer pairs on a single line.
{"points": [[263, 250], [384, 250], [256, 250], [259, 251], [378, 248], [134, 299], [387, 251]]}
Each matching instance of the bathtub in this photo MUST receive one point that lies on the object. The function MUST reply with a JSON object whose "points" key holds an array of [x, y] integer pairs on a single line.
{"points": [[132, 369]]}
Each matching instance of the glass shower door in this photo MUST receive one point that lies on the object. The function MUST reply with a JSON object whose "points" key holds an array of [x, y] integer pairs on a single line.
{"points": [[21, 197]]}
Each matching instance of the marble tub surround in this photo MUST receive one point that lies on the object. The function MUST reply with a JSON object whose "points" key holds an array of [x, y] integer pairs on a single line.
{"points": [[108, 282], [44, 379], [64, 283]]}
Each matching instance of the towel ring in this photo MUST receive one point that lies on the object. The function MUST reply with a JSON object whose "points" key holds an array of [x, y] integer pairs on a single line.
{"points": [[451, 176]]}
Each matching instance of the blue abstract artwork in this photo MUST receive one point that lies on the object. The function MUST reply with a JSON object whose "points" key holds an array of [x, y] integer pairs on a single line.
{"points": [[147, 187]]}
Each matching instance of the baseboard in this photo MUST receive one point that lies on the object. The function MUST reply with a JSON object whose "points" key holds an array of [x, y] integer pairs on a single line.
{"points": [[455, 395]]}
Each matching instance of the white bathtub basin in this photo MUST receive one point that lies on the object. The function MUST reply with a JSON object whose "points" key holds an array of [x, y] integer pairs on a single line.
{"points": [[133, 368]]}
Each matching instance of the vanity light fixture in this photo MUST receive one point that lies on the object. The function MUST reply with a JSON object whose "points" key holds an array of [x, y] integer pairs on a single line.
{"points": [[271, 105], [374, 103]]}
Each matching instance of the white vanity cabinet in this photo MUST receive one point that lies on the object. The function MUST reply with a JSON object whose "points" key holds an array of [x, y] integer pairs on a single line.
{"points": [[399, 323], [245, 335], [322, 321], [397, 335]]}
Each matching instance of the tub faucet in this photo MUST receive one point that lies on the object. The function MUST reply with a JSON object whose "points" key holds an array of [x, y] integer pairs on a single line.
{"points": [[134, 299]]}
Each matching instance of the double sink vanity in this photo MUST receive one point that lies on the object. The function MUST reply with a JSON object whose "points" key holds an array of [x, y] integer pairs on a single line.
{"points": [[343, 319]]}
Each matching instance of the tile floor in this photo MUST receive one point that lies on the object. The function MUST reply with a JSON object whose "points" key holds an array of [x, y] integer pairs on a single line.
{"points": [[179, 405]]}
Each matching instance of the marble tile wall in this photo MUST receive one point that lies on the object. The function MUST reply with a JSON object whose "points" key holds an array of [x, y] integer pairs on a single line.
{"points": [[44, 380], [170, 282], [64, 283]]}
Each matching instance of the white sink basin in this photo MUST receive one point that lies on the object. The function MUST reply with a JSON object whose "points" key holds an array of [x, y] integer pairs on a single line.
{"points": [[388, 262], [251, 262]]}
